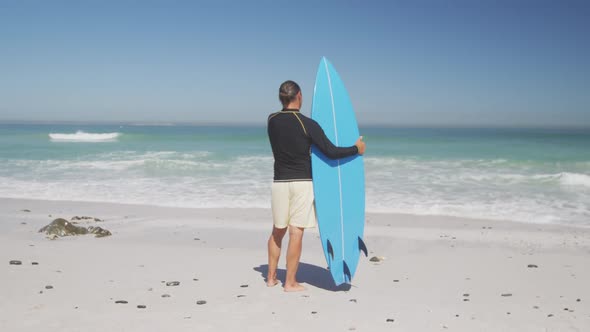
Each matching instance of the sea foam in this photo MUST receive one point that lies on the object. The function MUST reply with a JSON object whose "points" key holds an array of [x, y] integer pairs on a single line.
{"points": [[81, 136]]}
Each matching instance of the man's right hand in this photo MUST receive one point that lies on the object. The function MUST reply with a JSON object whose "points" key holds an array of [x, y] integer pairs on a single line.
{"points": [[360, 145]]}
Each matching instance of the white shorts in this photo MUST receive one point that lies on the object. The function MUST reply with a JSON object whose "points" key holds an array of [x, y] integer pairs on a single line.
{"points": [[293, 204]]}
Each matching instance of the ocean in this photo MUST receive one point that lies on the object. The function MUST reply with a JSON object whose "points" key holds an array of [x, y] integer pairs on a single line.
{"points": [[525, 175]]}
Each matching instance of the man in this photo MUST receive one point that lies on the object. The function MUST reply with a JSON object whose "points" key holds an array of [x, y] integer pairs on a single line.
{"points": [[291, 135]]}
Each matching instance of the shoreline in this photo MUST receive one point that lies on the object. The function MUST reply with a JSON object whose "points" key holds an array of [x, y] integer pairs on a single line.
{"points": [[379, 216], [436, 274]]}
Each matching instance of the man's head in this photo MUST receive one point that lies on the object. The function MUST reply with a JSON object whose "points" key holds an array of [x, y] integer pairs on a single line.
{"points": [[290, 93]]}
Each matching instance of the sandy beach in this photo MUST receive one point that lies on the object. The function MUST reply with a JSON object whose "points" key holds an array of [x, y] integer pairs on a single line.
{"points": [[436, 274]]}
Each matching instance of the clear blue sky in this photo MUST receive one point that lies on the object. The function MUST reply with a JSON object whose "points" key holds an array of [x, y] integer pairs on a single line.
{"points": [[491, 63]]}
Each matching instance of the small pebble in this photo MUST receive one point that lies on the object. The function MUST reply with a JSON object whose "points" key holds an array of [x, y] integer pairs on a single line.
{"points": [[390, 320], [396, 280], [201, 302], [550, 315], [23, 223], [535, 307], [532, 266], [508, 313], [141, 306], [506, 294], [241, 296], [375, 259], [197, 239], [466, 295], [465, 300], [243, 286], [15, 262], [48, 287], [578, 300], [314, 312], [456, 315], [121, 302], [195, 279], [353, 300], [165, 295], [35, 263], [173, 283], [26, 210]]}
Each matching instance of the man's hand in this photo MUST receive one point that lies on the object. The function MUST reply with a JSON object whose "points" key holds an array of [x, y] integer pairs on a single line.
{"points": [[360, 145]]}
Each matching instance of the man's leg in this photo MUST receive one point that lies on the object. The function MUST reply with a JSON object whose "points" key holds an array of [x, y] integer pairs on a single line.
{"points": [[293, 256], [274, 253]]}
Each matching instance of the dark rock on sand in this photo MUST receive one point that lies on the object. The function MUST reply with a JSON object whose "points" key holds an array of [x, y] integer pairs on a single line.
{"points": [[141, 306], [75, 219], [241, 296], [353, 300], [578, 300], [201, 302], [173, 283], [390, 320], [15, 262], [48, 287], [376, 259], [506, 294], [99, 231], [34, 263], [62, 227], [121, 302], [466, 295], [165, 295], [243, 286], [532, 266], [314, 312], [550, 315], [26, 210]]}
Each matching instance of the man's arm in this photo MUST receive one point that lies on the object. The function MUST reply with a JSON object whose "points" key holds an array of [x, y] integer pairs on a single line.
{"points": [[319, 138]]}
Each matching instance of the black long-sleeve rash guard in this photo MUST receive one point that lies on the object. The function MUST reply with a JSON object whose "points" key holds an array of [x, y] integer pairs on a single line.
{"points": [[291, 135]]}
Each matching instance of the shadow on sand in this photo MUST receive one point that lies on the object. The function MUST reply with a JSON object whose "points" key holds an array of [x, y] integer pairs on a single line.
{"points": [[310, 274]]}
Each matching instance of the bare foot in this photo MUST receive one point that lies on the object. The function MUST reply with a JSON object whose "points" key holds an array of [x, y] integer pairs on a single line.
{"points": [[272, 283], [296, 287]]}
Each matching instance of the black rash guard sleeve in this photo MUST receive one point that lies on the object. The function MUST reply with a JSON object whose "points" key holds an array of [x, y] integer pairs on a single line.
{"points": [[319, 138]]}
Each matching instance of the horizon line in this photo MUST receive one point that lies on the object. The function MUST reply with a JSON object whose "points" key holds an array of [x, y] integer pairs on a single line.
{"points": [[262, 124]]}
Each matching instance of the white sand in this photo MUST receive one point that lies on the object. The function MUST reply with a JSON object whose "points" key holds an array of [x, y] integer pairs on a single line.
{"points": [[436, 260]]}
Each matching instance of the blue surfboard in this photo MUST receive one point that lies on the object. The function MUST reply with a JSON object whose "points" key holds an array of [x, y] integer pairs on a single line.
{"points": [[339, 185]]}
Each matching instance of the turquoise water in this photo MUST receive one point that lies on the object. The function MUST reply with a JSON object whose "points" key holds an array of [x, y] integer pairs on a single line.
{"points": [[529, 175]]}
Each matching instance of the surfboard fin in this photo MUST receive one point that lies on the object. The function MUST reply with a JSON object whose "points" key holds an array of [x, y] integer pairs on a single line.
{"points": [[363, 247], [347, 275], [330, 249]]}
